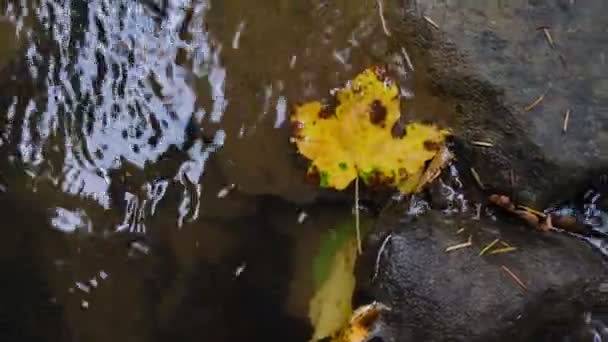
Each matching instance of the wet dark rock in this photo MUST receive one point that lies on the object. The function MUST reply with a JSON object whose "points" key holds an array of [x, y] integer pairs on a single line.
{"points": [[491, 60], [461, 296]]}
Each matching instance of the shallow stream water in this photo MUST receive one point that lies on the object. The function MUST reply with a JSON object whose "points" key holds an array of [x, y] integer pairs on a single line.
{"points": [[150, 191]]}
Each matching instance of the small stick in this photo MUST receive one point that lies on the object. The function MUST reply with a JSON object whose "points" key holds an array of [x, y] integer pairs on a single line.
{"points": [[482, 143], [503, 250], [534, 104], [566, 119], [477, 178], [515, 277], [469, 243], [486, 248], [460, 231], [430, 21]]}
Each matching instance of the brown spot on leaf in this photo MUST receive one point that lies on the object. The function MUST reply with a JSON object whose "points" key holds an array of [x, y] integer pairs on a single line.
{"points": [[403, 174], [313, 177], [379, 181], [381, 73], [399, 130], [328, 109], [369, 319], [432, 145], [377, 113], [296, 128]]}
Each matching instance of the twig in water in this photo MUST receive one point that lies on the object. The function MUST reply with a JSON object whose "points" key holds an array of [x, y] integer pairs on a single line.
{"points": [[379, 255], [515, 277], [430, 21], [502, 250], [469, 243], [566, 119], [486, 248], [460, 230], [534, 104], [382, 20]]}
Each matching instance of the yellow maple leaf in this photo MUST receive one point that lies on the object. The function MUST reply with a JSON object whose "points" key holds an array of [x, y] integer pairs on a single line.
{"points": [[356, 138], [360, 326]]}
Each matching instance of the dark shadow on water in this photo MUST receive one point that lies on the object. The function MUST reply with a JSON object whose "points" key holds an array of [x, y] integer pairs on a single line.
{"points": [[27, 309]]}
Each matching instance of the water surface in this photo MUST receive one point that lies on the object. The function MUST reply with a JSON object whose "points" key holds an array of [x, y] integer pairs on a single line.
{"points": [[151, 192]]}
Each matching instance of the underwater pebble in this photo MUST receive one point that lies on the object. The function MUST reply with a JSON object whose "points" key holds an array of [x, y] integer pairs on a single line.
{"points": [[302, 217], [140, 247], [240, 269], [225, 191], [82, 287]]}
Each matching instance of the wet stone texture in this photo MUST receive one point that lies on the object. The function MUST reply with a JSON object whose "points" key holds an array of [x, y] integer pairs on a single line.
{"points": [[492, 60], [461, 296]]}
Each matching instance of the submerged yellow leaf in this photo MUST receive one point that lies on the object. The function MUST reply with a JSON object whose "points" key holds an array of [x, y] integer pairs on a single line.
{"points": [[357, 137], [330, 308]]}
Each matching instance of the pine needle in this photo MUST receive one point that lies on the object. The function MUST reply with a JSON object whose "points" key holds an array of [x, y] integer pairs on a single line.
{"points": [[477, 178], [482, 143], [430, 21], [486, 248], [514, 277], [566, 120], [548, 37], [503, 250], [534, 104], [469, 243]]}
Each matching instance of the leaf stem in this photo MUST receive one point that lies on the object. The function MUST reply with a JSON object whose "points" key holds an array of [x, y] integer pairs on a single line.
{"points": [[357, 227]]}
